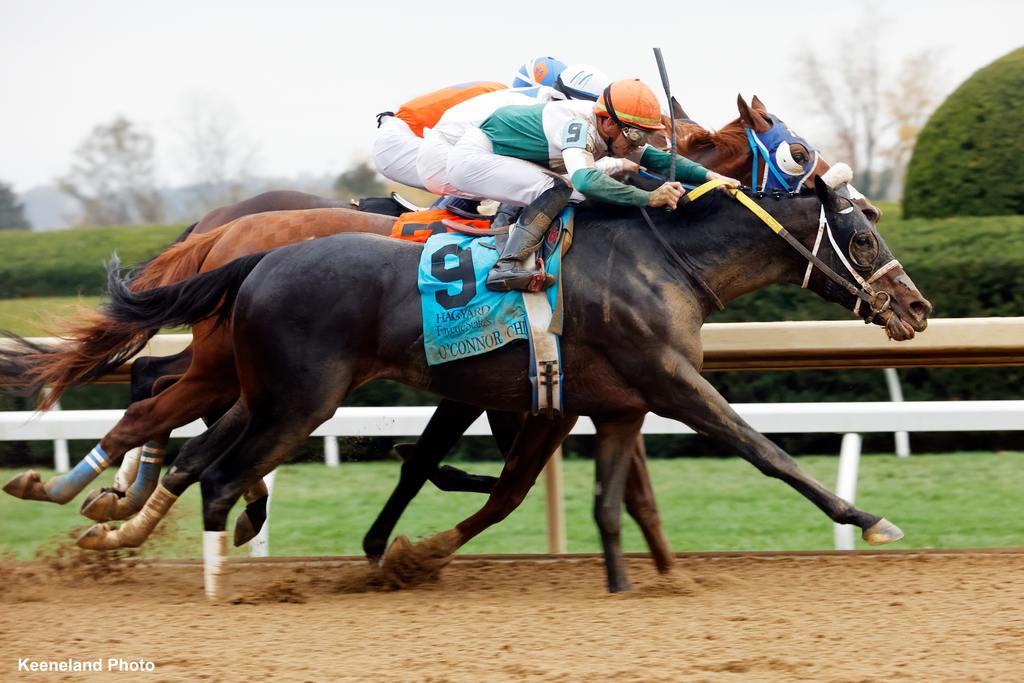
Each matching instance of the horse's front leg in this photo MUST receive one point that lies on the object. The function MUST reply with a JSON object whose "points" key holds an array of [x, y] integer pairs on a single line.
{"points": [[690, 398]]}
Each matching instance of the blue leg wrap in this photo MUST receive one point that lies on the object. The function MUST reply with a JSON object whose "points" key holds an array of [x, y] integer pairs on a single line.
{"points": [[64, 487]]}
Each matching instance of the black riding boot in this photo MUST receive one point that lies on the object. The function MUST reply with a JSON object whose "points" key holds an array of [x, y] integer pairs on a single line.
{"points": [[523, 239], [505, 215]]}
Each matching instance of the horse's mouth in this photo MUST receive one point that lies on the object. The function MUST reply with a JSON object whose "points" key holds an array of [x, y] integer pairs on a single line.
{"points": [[897, 327]]}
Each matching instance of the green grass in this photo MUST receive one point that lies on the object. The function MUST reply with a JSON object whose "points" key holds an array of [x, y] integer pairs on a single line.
{"points": [[958, 500]]}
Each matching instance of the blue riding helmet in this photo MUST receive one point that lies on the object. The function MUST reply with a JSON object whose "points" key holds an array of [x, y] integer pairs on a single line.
{"points": [[782, 171], [538, 71]]}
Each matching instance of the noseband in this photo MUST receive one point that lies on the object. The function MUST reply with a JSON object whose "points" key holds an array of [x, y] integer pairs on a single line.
{"points": [[879, 302]]}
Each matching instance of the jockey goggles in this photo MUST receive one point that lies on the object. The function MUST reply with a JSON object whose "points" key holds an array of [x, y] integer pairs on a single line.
{"points": [[636, 137]]}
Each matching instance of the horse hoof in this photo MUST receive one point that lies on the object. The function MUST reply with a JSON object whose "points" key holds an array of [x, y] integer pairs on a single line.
{"points": [[244, 529], [27, 486], [398, 548], [96, 537], [101, 506], [881, 532], [619, 586]]}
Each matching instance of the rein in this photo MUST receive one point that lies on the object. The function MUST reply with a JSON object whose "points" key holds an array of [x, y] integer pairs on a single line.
{"points": [[879, 301]]}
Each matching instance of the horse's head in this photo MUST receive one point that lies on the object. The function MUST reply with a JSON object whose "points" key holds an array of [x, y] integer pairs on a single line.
{"points": [[858, 254], [790, 161]]}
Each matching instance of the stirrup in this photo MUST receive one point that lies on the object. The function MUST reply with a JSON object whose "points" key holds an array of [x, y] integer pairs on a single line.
{"points": [[522, 281]]}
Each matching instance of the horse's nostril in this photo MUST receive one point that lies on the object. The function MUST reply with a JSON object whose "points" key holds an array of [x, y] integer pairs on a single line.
{"points": [[921, 309]]}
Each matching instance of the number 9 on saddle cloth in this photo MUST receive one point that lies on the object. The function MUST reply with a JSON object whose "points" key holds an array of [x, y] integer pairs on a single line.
{"points": [[462, 318]]}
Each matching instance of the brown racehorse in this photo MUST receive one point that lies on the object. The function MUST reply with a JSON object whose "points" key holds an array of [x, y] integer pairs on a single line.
{"points": [[209, 385]]}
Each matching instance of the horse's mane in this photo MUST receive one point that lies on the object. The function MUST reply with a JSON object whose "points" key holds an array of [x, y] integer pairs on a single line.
{"points": [[730, 138]]}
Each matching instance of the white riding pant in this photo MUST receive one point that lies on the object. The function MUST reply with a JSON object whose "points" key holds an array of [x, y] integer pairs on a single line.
{"points": [[395, 150], [432, 164], [479, 173]]}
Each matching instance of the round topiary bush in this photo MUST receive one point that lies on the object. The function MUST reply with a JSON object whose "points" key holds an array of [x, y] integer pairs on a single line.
{"points": [[969, 157]]}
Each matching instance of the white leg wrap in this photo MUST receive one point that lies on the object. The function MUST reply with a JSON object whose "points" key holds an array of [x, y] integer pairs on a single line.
{"points": [[215, 555], [125, 476], [137, 529]]}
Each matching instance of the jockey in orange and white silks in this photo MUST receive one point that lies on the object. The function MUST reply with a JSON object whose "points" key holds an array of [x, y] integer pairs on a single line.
{"points": [[580, 82], [400, 133], [511, 155]]}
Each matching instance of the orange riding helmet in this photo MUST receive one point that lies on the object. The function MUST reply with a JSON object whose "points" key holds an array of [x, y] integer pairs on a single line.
{"points": [[630, 104]]}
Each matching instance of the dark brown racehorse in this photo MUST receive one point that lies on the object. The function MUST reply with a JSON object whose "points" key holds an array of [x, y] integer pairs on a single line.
{"points": [[631, 345], [205, 389]]}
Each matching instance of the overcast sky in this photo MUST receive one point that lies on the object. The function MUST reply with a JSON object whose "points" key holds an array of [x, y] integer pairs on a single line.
{"points": [[306, 78]]}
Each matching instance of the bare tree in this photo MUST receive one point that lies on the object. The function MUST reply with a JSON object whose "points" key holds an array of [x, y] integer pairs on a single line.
{"points": [[846, 92], [112, 176], [217, 157], [909, 102], [874, 107]]}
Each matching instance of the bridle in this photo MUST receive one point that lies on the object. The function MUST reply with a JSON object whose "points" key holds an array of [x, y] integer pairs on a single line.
{"points": [[879, 302]]}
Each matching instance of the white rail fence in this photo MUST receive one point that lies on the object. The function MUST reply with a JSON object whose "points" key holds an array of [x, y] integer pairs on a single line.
{"points": [[847, 418]]}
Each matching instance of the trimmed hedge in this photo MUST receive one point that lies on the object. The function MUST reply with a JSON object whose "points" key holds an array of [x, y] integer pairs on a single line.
{"points": [[71, 262], [969, 157]]}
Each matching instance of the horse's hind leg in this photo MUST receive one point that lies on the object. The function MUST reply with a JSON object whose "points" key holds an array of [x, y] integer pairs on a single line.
{"points": [[195, 456], [63, 487], [196, 394], [613, 460], [504, 427], [270, 436], [149, 376], [641, 506], [445, 428], [537, 440]]}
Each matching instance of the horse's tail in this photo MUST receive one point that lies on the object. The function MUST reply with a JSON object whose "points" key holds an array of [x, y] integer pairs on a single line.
{"points": [[181, 260], [120, 330], [182, 303]]}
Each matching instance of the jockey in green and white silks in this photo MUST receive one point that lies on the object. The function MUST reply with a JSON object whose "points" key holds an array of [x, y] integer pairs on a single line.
{"points": [[518, 155]]}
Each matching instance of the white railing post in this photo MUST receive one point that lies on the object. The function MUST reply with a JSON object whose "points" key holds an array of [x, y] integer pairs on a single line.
{"points": [[896, 394], [260, 545], [61, 459], [554, 503], [846, 486], [331, 451]]}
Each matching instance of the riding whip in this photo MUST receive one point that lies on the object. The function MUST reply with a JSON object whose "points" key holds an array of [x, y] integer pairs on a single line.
{"points": [[668, 97]]}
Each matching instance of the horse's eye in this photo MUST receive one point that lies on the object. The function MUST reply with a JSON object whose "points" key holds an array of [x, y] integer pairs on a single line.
{"points": [[863, 248], [799, 158]]}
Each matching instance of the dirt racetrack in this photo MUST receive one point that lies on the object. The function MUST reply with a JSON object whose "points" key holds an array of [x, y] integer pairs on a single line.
{"points": [[862, 617]]}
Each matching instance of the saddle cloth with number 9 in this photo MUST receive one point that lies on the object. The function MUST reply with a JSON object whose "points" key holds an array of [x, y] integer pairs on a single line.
{"points": [[461, 317]]}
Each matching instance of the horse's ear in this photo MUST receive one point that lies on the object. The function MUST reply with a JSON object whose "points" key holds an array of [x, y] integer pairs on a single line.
{"points": [[828, 197], [758, 105], [751, 118], [677, 111]]}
